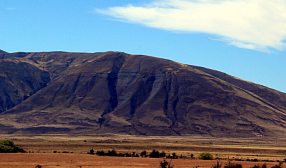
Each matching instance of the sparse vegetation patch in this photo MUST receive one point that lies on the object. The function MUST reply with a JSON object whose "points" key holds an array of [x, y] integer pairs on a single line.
{"points": [[153, 154], [206, 156]]}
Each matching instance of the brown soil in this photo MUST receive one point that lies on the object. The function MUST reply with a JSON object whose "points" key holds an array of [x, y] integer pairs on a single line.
{"points": [[31, 160], [71, 151]]}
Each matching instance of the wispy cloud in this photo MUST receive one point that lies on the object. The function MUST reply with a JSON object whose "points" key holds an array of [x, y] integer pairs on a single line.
{"points": [[250, 24]]}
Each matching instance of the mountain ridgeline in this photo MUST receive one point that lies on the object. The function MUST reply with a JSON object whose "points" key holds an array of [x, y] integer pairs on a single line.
{"points": [[114, 92]]}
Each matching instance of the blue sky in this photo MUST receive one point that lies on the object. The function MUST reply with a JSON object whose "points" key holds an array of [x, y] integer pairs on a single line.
{"points": [[243, 38]]}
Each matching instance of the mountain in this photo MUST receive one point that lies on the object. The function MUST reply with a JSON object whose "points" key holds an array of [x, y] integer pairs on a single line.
{"points": [[114, 92], [2, 52]]}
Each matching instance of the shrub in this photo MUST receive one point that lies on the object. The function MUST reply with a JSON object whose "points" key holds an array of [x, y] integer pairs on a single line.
{"points": [[8, 146], [205, 156], [100, 153], [166, 164], [143, 153], [154, 154], [134, 154], [162, 154], [112, 153], [91, 152], [174, 156], [169, 156], [127, 155]]}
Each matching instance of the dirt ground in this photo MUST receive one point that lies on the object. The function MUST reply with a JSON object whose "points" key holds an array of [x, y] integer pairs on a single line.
{"points": [[31, 160], [63, 151]]}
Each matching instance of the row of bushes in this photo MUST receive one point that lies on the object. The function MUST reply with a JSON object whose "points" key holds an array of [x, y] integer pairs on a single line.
{"points": [[153, 154], [114, 153]]}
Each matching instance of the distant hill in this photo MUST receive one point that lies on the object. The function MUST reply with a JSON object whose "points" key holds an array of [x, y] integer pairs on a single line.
{"points": [[114, 92], [2, 52]]}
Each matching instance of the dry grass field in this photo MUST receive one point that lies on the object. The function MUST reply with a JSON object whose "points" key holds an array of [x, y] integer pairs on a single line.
{"points": [[62, 151], [91, 161]]}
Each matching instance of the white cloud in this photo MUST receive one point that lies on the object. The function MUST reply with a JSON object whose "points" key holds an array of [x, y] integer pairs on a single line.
{"points": [[251, 24]]}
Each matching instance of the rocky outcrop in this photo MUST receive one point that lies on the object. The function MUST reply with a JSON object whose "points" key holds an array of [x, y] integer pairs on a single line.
{"points": [[114, 92]]}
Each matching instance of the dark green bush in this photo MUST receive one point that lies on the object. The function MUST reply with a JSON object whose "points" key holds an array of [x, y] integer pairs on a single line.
{"points": [[8, 146]]}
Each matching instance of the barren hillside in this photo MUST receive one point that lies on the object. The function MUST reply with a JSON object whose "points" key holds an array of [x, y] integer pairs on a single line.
{"points": [[113, 92]]}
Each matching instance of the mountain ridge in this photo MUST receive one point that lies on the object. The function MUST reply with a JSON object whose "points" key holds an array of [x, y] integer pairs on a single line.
{"points": [[115, 92], [2, 52]]}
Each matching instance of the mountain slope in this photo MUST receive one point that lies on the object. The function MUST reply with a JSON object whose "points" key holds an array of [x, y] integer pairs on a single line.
{"points": [[18, 81], [2, 52], [133, 94]]}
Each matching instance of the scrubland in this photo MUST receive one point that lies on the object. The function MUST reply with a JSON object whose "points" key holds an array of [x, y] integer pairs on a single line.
{"points": [[71, 151]]}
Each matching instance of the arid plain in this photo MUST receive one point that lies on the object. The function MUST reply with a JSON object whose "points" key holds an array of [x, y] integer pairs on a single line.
{"points": [[71, 151]]}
